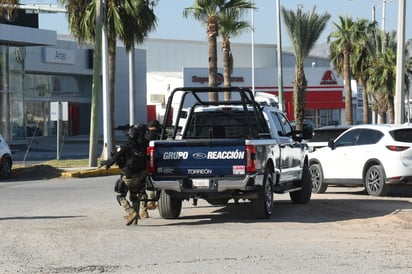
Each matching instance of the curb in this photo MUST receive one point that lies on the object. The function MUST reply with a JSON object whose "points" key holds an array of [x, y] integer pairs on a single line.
{"points": [[91, 172]]}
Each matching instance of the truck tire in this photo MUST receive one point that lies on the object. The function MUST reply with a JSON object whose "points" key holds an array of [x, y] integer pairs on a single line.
{"points": [[375, 181], [317, 179], [263, 205], [169, 206], [303, 196]]}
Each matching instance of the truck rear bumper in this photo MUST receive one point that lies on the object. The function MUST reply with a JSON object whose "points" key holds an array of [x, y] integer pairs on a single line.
{"points": [[209, 184]]}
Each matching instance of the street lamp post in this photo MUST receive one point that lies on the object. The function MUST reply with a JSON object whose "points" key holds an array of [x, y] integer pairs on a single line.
{"points": [[400, 62], [279, 55], [107, 125]]}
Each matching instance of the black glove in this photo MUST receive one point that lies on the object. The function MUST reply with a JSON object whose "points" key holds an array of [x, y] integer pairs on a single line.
{"points": [[103, 163]]}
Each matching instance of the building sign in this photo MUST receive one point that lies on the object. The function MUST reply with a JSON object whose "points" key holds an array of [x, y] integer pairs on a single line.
{"points": [[59, 56], [328, 78], [202, 79]]}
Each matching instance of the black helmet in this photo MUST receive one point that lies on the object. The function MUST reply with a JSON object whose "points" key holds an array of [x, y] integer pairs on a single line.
{"points": [[154, 123], [137, 131]]}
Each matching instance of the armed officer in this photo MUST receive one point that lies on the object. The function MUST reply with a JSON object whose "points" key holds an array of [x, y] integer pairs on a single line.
{"points": [[153, 133], [131, 158]]}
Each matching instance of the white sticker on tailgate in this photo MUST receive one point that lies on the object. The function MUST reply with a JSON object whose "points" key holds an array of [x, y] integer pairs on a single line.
{"points": [[238, 170], [200, 182]]}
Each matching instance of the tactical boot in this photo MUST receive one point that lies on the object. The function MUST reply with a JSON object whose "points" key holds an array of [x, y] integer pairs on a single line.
{"points": [[144, 214], [151, 205], [132, 217]]}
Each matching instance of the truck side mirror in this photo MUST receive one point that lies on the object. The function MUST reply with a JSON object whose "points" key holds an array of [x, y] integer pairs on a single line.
{"points": [[307, 132]]}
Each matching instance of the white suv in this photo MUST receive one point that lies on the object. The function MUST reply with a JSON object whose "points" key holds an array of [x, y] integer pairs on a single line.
{"points": [[6, 161], [373, 156]]}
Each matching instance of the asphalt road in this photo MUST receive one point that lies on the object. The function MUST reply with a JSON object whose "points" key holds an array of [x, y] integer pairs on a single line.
{"points": [[76, 226]]}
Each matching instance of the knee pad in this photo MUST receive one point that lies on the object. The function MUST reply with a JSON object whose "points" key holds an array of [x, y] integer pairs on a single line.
{"points": [[119, 198], [120, 187]]}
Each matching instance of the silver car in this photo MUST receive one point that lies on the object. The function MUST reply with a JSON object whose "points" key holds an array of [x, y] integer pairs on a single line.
{"points": [[6, 161]]}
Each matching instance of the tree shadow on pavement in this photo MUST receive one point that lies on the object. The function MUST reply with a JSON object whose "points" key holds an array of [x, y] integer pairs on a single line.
{"points": [[34, 172]]}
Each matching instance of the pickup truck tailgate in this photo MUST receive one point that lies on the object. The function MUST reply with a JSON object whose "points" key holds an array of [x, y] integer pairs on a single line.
{"points": [[200, 158]]}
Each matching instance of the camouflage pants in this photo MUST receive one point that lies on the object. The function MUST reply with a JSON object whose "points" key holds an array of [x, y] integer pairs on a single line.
{"points": [[149, 194], [136, 188]]}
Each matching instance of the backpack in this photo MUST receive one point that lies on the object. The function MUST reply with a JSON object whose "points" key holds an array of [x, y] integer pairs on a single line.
{"points": [[136, 159]]}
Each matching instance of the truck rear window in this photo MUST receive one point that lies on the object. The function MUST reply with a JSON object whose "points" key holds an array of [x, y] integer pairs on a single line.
{"points": [[229, 125]]}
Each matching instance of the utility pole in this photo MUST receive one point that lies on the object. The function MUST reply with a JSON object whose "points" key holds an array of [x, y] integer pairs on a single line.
{"points": [[107, 125], [400, 66], [253, 49], [96, 87], [383, 14], [131, 86], [279, 53]]}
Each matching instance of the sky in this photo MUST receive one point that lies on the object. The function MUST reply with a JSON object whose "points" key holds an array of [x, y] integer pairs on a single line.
{"points": [[172, 24]]}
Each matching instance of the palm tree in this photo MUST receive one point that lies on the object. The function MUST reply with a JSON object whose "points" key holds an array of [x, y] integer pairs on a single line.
{"points": [[127, 20], [345, 35], [304, 30], [8, 9], [382, 73], [382, 77], [231, 25], [207, 12], [361, 60]]}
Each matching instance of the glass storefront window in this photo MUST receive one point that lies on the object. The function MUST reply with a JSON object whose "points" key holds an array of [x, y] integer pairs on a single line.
{"points": [[25, 98], [11, 92], [40, 91]]}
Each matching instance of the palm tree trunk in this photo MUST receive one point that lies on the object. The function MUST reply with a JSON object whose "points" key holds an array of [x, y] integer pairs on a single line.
{"points": [[96, 89], [381, 100], [391, 110], [382, 117], [212, 30], [112, 74], [365, 102], [299, 97], [348, 89], [226, 67]]}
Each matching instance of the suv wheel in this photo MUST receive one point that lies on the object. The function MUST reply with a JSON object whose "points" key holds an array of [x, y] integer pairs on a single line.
{"points": [[375, 181], [317, 179]]}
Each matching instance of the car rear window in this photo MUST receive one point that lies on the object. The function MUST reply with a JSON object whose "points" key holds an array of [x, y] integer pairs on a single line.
{"points": [[402, 135]]}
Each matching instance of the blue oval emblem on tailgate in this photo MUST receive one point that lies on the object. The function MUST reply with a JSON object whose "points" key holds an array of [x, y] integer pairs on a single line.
{"points": [[199, 155]]}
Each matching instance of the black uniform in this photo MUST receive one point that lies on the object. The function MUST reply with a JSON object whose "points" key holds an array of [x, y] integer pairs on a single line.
{"points": [[131, 158]]}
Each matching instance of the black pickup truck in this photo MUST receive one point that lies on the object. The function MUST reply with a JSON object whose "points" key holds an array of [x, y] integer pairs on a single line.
{"points": [[223, 150]]}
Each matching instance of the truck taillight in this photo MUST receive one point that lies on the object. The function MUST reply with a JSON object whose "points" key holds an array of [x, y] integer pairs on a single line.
{"points": [[150, 159], [250, 158]]}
